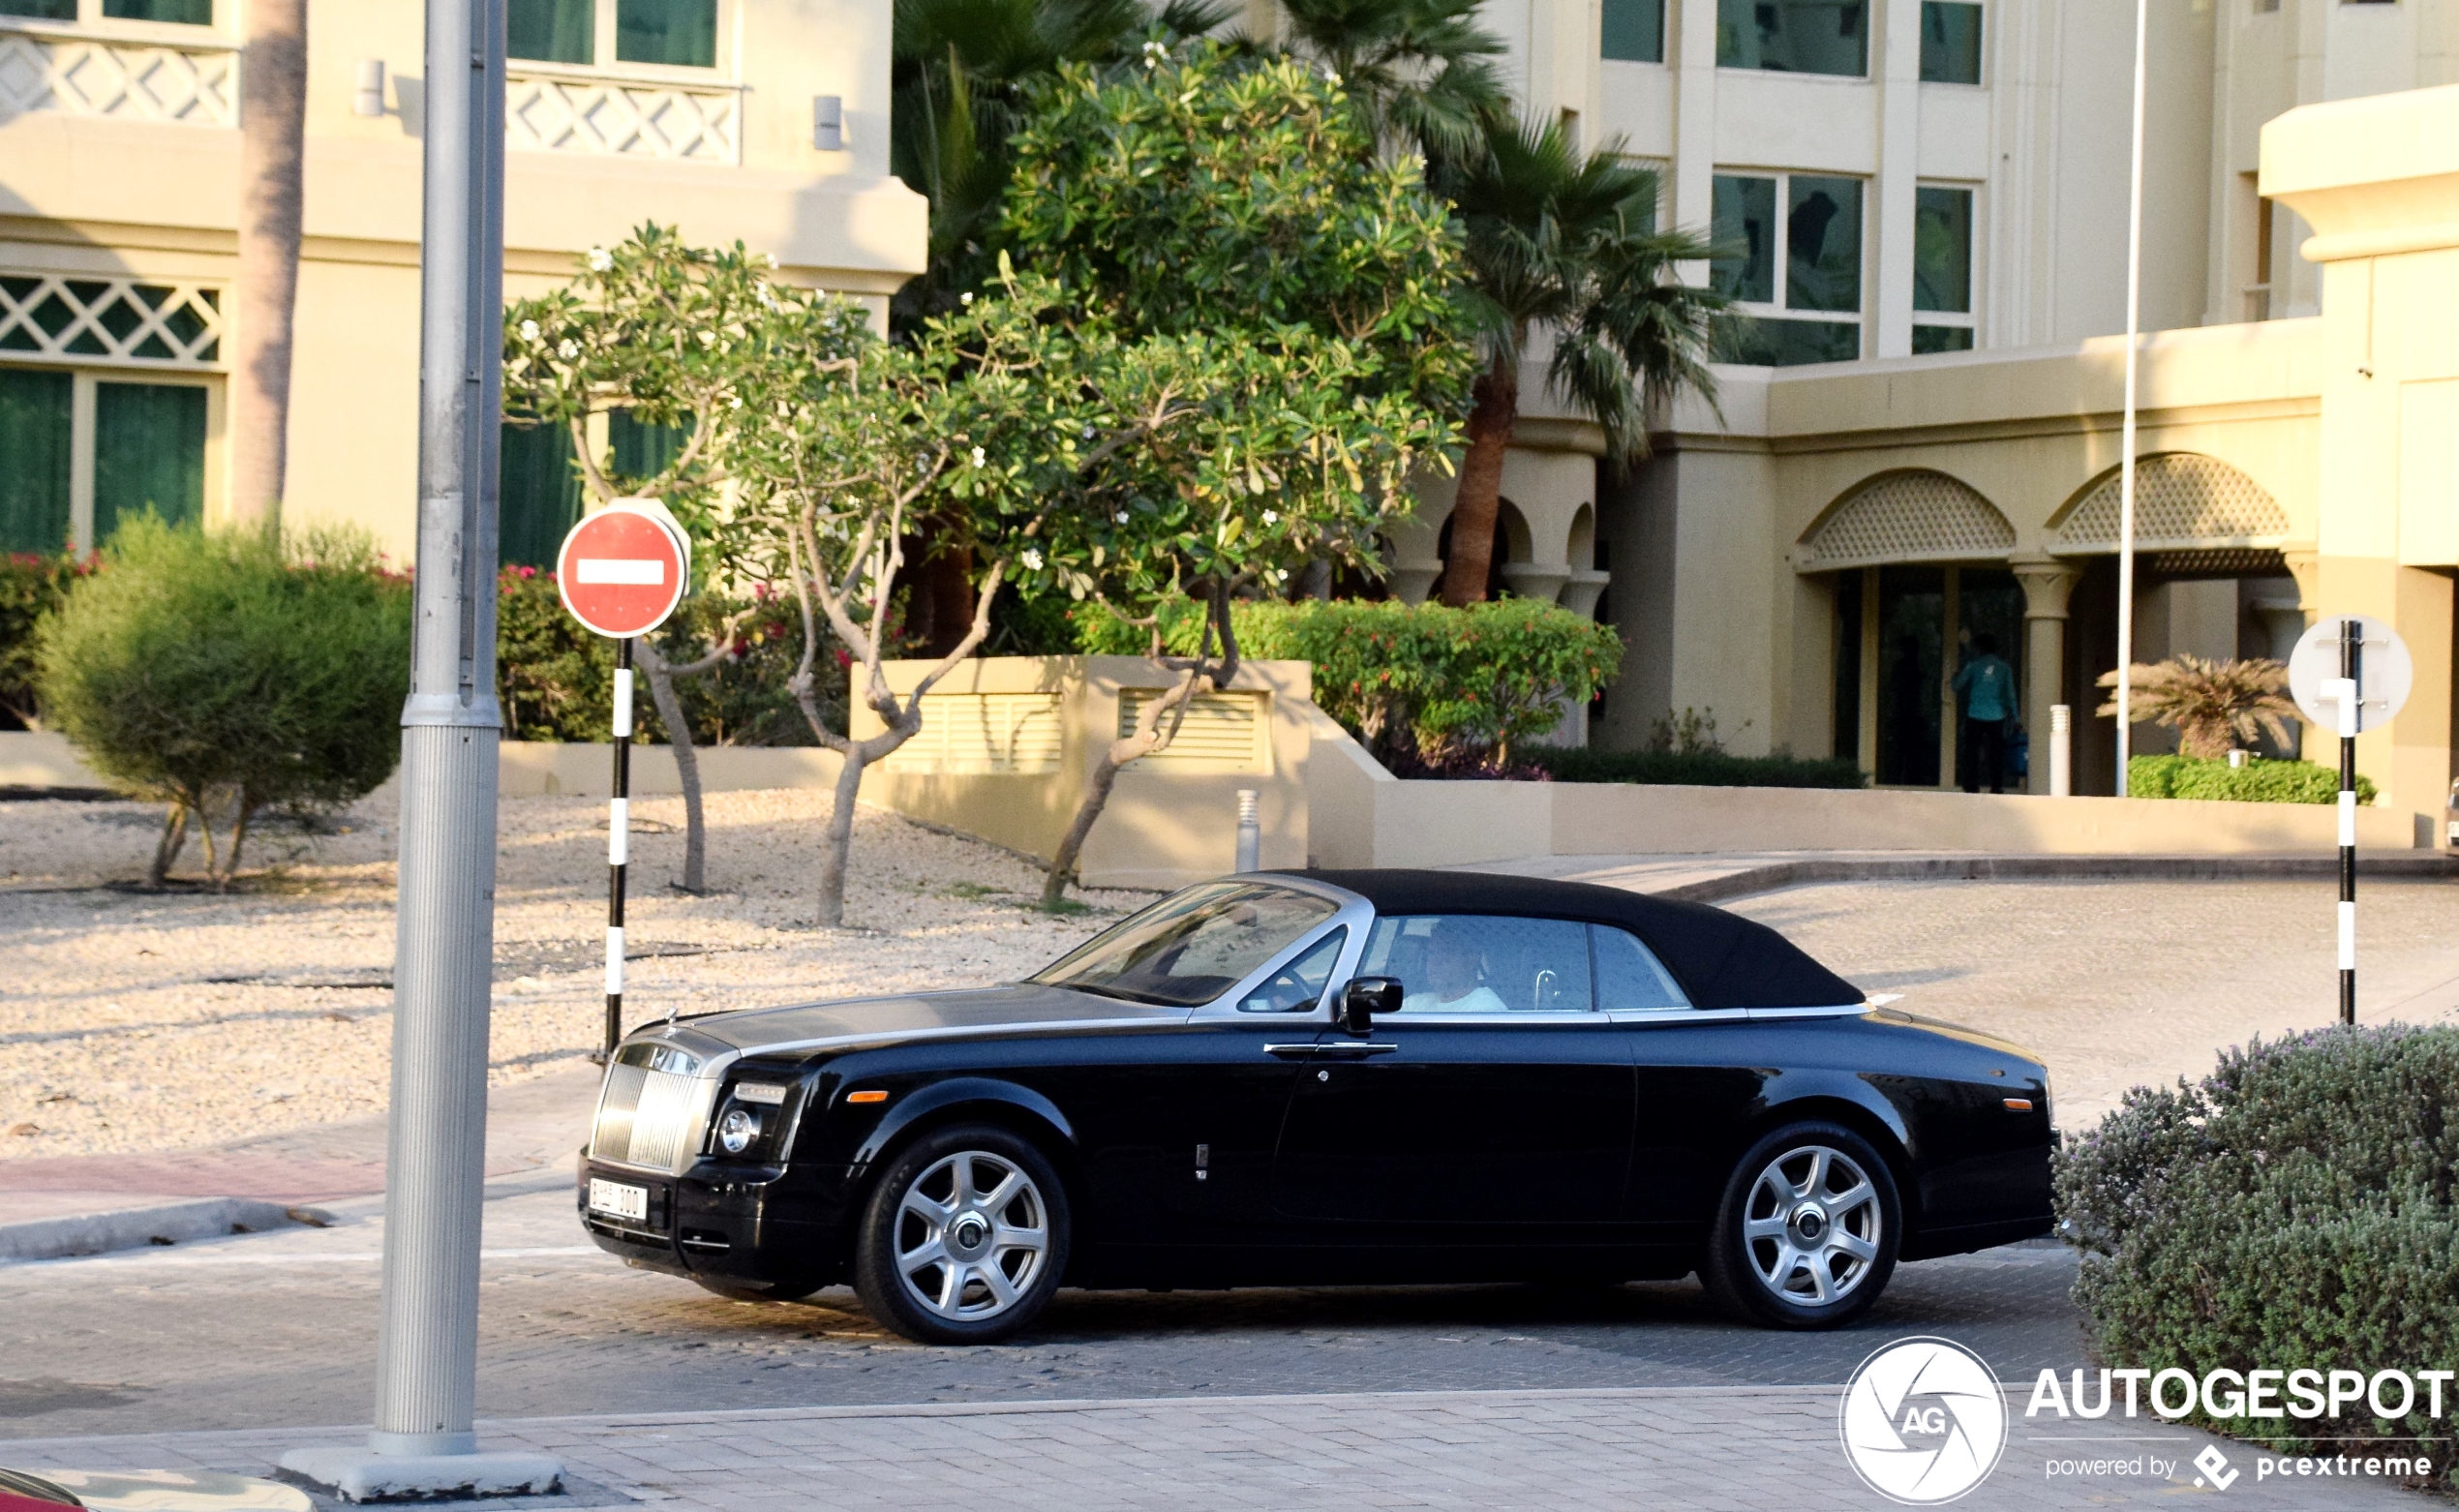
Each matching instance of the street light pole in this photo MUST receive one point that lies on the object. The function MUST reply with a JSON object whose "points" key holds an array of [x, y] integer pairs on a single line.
{"points": [[426, 1343], [2126, 443]]}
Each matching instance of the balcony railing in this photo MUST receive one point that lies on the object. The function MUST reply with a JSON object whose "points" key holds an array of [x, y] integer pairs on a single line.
{"points": [[553, 110], [82, 72]]}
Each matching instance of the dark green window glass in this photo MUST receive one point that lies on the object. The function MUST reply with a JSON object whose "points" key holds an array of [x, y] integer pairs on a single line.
{"points": [[186, 13], [33, 460], [1635, 30], [1942, 250], [1950, 43], [683, 33], [1848, 728], [41, 10], [1941, 337], [551, 31], [1793, 36], [1823, 243], [1743, 212], [640, 450], [1784, 344], [540, 494], [149, 453]]}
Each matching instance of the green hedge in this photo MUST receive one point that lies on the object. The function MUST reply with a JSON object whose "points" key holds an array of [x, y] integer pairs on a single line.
{"points": [[1698, 768], [2255, 783], [1409, 678], [2295, 1210]]}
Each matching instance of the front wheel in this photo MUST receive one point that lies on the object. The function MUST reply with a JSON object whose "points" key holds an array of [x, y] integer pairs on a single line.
{"points": [[964, 1237], [1808, 1231]]}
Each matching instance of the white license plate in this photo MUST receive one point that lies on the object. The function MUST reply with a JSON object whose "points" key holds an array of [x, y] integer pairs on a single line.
{"points": [[618, 1200]]}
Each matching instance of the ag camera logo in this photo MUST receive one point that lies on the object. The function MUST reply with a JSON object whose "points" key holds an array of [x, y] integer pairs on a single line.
{"points": [[1924, 1421]]}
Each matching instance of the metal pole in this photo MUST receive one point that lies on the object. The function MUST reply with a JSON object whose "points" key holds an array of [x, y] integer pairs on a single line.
{"points": [[2350, 687], [2126, 457], [1248, 857], [427, 1349], [619, 845]]}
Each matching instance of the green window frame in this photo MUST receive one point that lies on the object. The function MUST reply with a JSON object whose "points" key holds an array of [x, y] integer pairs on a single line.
{"points": [[538, 494], [36, 407], [1634, 31], [1829, 37], [1950, 42], [669, 33], [551, 31], [149, 452], [585, 32], [41, 10], [177, 12]]}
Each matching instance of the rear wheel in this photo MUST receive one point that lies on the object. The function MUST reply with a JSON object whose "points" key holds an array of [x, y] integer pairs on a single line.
{"points": [[964, 1237], [1808, 1231]]}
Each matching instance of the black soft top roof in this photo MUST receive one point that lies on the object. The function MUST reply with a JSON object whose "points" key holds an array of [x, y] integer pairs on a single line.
{"points": [[1721, 959]]}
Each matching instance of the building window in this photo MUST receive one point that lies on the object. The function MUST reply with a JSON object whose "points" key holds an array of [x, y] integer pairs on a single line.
{"points": [[1950, 43], [83, 452], [1635, 30], [41, 10], [179, 12], [666, 33], [1821, 273], [1793, 36], [1942, 269], [538, 494]]}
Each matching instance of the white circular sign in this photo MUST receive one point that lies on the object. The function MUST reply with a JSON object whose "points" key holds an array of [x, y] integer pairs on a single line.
{"points": [[2384, 672], [1924, 1421]]}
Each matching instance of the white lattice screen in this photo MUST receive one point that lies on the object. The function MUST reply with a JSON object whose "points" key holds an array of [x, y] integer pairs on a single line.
{"points": [[1222, 732], [983, 732], [1909, 516], [109, 320], [2183, 501], [545, 113], [189, 87]]}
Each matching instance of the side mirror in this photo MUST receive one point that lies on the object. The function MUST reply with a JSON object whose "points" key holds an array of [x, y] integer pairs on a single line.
{"points": [[1364, 998]]}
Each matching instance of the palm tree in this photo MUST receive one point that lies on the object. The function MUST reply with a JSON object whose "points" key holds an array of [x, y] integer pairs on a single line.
{"points": [[1422, 71], [1566, 240], [272, 126], [2212, 705]]}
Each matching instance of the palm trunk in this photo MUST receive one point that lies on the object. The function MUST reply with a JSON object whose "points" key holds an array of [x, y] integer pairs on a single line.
{"points": [[1479, 498], [670, 713], [272, 125]]}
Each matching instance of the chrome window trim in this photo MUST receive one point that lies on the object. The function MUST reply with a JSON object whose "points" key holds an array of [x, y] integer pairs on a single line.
{"points": [[1643, 1017], [1528, 1016]]}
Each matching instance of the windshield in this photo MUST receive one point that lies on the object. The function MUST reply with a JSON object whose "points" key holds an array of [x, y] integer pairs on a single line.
{"points": [[1191, 947]]}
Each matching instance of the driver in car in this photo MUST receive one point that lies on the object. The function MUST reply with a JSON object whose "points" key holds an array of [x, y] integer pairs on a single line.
{"points": [[1455, 976]]}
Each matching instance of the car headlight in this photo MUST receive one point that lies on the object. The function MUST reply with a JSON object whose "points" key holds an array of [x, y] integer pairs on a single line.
{"points": [[736, 1129]]}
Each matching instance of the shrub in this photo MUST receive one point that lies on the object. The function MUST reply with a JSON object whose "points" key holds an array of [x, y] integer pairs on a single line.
{"points": [[30, 588], [1414, 681], [227, 674], [556, 680], [2255, 783], [1700, 767], [2292, 1212]]}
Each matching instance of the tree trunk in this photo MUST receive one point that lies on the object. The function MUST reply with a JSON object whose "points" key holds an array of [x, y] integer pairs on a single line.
{"points": [[670, 713], [166, 849], [841, 836], [1479, 497], [272, 123], [1148, 739]]}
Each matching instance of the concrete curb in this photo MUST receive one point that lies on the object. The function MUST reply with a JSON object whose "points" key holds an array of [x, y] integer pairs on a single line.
{"points": [[134, 1228], [2429, 865]]}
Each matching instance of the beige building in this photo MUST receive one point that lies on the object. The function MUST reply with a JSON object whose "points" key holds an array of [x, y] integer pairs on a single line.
{"points": [[1918, 439], [119, 160]]}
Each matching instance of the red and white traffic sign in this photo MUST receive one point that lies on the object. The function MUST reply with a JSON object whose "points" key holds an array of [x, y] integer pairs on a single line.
{"points": [[624, 569]]}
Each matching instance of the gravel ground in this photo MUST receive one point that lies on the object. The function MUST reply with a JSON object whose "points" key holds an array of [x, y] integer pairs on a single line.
{"points": [[148, 1021]]}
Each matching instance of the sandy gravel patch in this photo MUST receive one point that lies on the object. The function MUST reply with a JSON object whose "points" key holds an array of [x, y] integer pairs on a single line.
{"points": [[136, 1021]]}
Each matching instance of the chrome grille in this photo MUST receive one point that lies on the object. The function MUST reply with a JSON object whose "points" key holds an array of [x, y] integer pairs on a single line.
{"points": [[646, 1109]]}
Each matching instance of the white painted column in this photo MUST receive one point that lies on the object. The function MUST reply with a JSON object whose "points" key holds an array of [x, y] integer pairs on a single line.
{"points": [[1692, 55], [1896, 68]]}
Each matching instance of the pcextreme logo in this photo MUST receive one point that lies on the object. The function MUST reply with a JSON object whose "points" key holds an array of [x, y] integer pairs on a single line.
{"points": [[1924, 1421]]}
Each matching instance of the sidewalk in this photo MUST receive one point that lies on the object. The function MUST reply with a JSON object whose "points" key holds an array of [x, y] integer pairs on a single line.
{"points": [[1682, 1450]]}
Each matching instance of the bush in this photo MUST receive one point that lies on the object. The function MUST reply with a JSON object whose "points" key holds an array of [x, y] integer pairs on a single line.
{"points": [[227, 674], [30, 588], [556, 680], [2255, 783], [1415, 682], [1702, 769], [2292, 1212]]}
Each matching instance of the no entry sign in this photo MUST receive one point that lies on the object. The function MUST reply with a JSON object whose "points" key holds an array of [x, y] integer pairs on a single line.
{"points": [[623, 569]]}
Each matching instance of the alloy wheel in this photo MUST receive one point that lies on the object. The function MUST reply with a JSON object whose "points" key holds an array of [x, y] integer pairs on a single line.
{"points": [[972, 1236], [1811, 1228]]}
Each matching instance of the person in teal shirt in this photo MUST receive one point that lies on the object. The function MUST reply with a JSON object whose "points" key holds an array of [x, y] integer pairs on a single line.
{"points": [[1986, 686]]}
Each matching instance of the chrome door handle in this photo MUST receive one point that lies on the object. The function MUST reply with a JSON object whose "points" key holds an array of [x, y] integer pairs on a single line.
{"points": [[1353, 1051]]}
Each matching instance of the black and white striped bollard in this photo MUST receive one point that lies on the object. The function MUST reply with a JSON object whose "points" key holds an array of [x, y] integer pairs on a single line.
{"points": [[619, 845]]}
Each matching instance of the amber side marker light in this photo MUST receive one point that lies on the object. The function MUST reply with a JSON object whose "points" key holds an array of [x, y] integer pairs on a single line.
{"points": [[2014, 1105], [882, 1096]]}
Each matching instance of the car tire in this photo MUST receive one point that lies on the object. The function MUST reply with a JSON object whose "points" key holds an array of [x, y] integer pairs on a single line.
{"points": [[1808, 1231], [964, 1236]]}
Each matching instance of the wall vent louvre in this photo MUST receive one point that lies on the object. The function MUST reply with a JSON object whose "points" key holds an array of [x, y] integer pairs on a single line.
{"points": [[1223, 731], [983, 732]]}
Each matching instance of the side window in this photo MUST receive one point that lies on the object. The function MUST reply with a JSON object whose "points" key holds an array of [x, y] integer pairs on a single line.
{"points": [[1479, 963], [1628, 976], [1297, 986]]}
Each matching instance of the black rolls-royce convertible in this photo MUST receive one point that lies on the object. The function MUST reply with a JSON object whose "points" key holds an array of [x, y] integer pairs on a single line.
{"points": [[1326, 1077]]}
